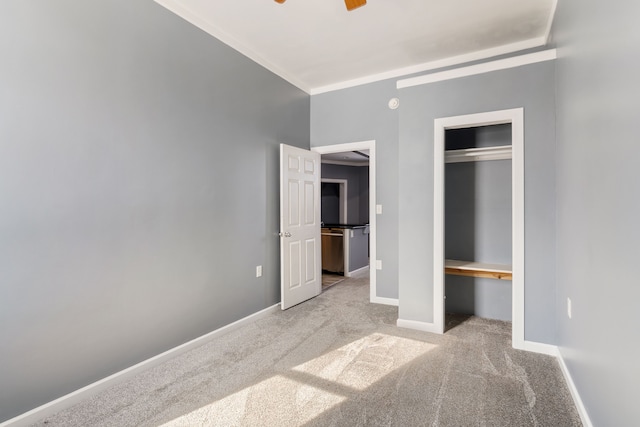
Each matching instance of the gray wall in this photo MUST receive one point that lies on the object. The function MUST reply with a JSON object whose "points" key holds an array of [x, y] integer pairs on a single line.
{"points": [[530, 87], [598, 202], [139, 182], [358, 248], [361, 114], [357, 189]]}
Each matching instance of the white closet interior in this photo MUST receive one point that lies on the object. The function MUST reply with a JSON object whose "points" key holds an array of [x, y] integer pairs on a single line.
{"points": [[478, 221]]}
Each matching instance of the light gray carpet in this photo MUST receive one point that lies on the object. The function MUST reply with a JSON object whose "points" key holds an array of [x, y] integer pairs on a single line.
{"points": [[339, 361]]}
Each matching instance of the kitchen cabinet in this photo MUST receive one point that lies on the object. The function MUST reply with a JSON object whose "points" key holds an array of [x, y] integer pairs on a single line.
{"points": [[345, 248]]}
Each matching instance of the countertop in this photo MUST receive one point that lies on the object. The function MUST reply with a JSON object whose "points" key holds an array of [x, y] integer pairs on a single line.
{"points": [[345, 226]]}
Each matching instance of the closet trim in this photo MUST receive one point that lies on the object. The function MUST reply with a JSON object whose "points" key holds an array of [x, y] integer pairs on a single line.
{"points": [[515, 117]]}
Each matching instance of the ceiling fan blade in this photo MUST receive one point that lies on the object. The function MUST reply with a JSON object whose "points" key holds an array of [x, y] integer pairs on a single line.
{"points": [[353, 4]]}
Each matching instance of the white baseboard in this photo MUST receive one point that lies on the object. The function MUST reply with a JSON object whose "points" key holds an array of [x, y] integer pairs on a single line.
{"points": [[537, 347], [79, 395], [357, 271], [552, 350], [385, 301], [420, 326], [582, 411]]}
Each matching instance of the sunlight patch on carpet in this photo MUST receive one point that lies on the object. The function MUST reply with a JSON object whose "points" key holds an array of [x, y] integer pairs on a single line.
{"points": [[269, 402], [310, 389], [363, 362]]}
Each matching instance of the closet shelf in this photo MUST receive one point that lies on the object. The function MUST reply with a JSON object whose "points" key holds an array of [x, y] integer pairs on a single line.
{"points": [[477, 269], [498, 152]]}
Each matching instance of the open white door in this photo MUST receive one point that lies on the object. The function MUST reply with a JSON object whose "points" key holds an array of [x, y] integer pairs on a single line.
{"points": [[300, 264]]}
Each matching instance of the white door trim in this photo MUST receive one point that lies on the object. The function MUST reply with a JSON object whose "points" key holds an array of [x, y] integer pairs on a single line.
{"points": [[358, 146], [344, 187], [516, 118]]}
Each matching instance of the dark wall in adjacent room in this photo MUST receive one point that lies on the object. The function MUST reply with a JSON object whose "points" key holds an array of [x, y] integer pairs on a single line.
{"points": [[357, 190]]}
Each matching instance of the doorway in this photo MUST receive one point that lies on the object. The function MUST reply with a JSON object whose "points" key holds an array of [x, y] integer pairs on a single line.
{"points": [[369, 147], [514, 117]]}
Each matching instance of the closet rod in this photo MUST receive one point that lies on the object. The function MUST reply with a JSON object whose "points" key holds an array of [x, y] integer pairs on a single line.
{"points": [[498, 152]]}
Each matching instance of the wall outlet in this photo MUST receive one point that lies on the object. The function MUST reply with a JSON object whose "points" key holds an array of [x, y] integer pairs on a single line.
{"points": [[379, 209], [569, 307], [378, 264], [259, 271]]}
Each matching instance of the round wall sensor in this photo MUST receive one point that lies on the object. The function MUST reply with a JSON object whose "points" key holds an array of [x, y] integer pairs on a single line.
{"points": [[394, 103]]}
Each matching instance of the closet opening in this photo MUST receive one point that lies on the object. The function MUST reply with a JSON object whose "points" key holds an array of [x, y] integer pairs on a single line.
{"points": [[477, 231], [478, 237]]}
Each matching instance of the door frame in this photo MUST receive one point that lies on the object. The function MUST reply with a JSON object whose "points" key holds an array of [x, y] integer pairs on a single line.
{"points": [[358, 146], [515, 117]]}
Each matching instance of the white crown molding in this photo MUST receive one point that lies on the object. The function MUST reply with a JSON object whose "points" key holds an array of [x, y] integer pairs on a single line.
{"points": [[185, 13], [432, 65], [485, 67]]}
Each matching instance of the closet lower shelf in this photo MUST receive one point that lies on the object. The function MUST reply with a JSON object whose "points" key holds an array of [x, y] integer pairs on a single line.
{"points": [[477, 269]]}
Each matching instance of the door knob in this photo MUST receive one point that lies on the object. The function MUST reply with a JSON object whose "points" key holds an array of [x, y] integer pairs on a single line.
{"points": [[285, 234]]}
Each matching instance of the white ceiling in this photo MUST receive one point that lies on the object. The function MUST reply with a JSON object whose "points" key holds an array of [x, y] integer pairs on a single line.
{"points": [[318, 45], [348, 158]]}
